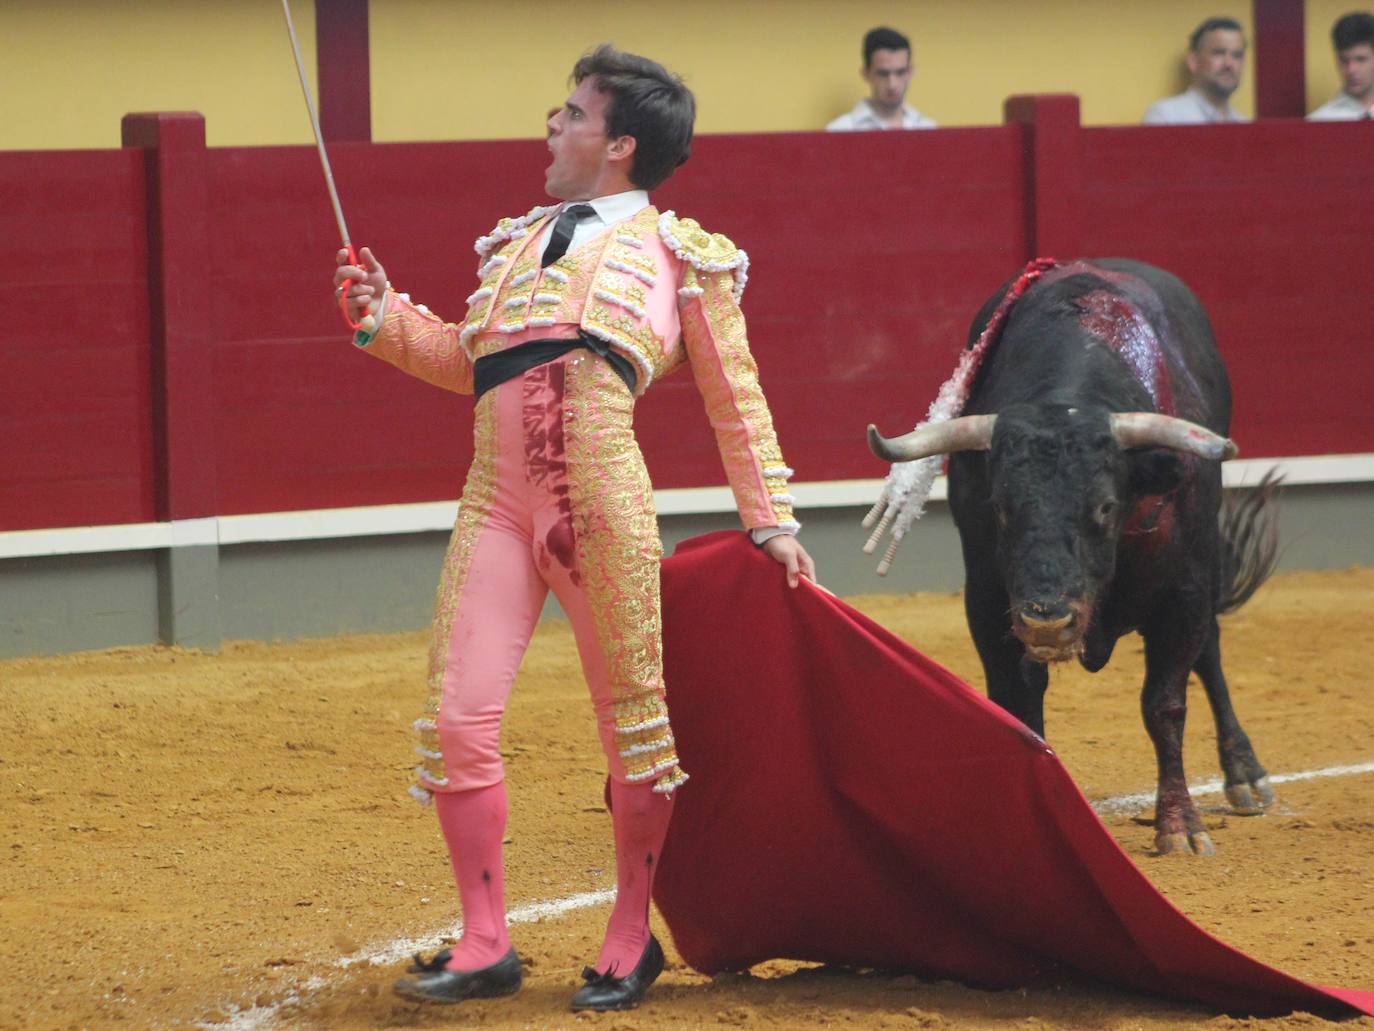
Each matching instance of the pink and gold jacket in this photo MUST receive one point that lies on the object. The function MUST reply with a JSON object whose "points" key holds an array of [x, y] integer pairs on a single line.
{"points": [[657, 289]]}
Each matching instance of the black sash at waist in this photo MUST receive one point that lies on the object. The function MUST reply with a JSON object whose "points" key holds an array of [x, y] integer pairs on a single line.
{"points": [[492, 370]]}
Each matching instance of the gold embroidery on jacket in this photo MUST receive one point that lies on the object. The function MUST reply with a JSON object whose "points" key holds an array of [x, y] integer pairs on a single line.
{"points": [[712, 322], [635, 263], [622, 291]]}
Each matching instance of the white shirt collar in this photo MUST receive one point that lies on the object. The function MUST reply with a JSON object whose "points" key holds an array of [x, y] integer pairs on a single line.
{"points": [[613, 208], [617, 207]]}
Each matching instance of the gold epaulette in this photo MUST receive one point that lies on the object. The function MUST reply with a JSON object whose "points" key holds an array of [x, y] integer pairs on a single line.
{"points": [[706, 252]]}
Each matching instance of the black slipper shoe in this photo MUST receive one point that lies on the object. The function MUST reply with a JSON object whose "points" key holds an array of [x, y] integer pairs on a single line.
{"points": [[437, 984], [605, 992]]}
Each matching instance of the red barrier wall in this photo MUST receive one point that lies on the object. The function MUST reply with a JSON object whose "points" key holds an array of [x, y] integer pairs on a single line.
{"points": [[870, 254], [1269, 228], [302, 421], [75, 387]]}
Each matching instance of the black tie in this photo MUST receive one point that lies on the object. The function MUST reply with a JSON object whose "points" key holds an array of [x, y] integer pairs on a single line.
{"points": [[563, 232]]}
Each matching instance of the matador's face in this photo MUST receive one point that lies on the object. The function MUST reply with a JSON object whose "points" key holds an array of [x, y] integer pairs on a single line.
{"points": [[586, 162]]}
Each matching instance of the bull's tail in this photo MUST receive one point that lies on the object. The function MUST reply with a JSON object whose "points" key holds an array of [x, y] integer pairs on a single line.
{"points": [[1249, 541]]}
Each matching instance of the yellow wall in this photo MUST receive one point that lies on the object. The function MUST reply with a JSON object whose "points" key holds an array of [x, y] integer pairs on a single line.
{"points": [[776, 64], [439, 67], [73, 68]]}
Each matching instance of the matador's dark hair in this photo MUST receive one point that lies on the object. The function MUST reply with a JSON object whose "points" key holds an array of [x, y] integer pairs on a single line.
{"points": [[647, 102]]}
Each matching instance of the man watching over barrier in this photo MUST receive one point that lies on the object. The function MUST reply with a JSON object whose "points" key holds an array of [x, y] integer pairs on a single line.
{"points": [[1353, 39], [1216, 56], [580, 306], [887, 70]]}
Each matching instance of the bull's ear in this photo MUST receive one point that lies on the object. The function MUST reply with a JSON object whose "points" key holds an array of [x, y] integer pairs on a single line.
{"points": [[1154, 470]]}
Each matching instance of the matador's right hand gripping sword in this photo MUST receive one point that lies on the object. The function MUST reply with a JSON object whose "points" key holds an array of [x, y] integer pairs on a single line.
{"points": [[367, 324]]}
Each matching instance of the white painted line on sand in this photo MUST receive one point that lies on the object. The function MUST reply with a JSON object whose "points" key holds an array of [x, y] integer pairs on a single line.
{"points": [[394, 952], [1128, 803], [263, 1018]]}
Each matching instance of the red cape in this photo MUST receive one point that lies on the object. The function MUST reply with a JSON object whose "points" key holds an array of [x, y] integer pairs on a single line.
{"points": [[853, 802]]}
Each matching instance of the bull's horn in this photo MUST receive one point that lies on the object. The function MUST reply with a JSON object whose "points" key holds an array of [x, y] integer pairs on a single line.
{"points": [[1150, 429], [966, 433]]}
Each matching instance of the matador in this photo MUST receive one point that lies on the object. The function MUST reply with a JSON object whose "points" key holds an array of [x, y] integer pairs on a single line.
{"points": [[579, 309]]}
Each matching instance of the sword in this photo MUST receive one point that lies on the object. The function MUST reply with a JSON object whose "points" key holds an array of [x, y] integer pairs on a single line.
{"points": [[367, 324]]}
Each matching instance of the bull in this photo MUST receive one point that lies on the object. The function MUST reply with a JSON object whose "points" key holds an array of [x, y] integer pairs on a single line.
{"points": [[1085, 481]]}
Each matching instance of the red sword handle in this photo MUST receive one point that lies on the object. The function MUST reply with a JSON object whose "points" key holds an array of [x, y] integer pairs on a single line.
{"points": [[367, 322]]}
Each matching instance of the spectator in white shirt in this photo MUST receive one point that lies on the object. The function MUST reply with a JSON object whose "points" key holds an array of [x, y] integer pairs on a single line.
{"points": [[887, 70], [1353, 38], [1216, 55]]}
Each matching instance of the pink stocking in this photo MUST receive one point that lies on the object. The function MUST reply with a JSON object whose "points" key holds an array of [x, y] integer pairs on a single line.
{"points": [[473, 823], [640, 817]]}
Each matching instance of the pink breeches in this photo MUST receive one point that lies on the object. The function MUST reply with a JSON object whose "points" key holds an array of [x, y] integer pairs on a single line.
{"points": [[557, 498]]}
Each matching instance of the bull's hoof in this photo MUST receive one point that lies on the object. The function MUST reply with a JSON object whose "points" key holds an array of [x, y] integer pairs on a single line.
{"points": [[1199, 843], [1250, 799]]}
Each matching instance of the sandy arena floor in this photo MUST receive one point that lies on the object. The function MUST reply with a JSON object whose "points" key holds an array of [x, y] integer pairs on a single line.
{"points": [[211, 839]]}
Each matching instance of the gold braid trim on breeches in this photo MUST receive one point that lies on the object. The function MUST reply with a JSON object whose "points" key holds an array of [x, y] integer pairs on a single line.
{"points": [[618, 553], [477, 497]]}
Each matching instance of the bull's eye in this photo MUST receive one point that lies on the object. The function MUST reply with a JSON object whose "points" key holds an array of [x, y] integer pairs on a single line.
{"points": [[1105, 511]]}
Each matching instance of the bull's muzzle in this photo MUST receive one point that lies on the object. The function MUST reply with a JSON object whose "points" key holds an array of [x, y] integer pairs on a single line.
{"points": [[1050, 633]]}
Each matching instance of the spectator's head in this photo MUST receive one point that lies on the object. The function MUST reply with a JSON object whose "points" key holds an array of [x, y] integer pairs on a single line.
{"points": [[1353, 38], [1216, 54], [628, 123], [887, 69]]}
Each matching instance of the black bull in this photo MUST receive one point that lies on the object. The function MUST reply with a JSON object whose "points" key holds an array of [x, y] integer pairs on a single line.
{"points": [[1085, 481]]}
